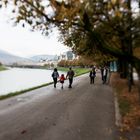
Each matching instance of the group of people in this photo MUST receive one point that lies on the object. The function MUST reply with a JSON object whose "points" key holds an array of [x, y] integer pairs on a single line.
{"points": [[70, 75], [62, 78], [104, 74]]}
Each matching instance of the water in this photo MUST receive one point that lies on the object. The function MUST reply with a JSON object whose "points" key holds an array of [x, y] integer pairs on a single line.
{"points": [[16, 79]]}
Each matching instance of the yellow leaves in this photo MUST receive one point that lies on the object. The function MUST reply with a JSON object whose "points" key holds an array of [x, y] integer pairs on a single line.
{"points": [[30, 1], [68, 10], [109, 6], [132, 118], [114, 9], [113, 1], [118, 14]]}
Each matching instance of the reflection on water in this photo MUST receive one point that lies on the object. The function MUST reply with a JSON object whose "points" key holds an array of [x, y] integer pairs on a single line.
{"points": [[16, 79]]}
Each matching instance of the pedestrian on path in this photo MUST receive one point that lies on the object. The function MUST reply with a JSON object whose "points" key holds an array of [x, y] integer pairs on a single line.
{"points": [[62, 79], [70, 75], [102, 69], [92, 75], [105, 74], [55, 75]]}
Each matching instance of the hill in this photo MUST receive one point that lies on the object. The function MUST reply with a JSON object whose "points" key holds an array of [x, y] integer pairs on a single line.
{"points": [[7, 58]]}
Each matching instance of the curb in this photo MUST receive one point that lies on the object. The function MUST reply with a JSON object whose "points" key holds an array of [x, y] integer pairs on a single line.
{"points": [[117, 112]]}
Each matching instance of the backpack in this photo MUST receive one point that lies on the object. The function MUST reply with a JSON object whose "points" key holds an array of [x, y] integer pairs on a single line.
{"points": [[55, 74]]}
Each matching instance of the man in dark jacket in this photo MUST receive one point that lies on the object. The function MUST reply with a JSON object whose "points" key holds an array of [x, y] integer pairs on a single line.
{"points": [[105, 74], [70, 75], [92, 75]]}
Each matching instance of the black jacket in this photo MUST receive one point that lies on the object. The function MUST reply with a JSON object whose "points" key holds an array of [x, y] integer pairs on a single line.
{"points": [[92, 74]]}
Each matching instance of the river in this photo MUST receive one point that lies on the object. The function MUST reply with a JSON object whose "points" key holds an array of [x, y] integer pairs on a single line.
{"points": [[16, 79]]}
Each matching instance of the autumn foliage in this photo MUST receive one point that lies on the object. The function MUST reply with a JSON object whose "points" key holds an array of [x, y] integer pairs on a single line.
{"points": [[129, 104], [81, 62]]}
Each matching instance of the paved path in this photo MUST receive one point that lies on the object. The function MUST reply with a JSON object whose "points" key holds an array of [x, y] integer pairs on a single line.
{"points": [[85, 112]]}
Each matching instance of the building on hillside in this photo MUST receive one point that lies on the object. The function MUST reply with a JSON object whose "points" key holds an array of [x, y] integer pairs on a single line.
{"points": [[69, 55]]}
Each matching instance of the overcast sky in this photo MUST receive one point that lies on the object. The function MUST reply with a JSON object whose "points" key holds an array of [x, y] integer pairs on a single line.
{"points": [[22, 42]]}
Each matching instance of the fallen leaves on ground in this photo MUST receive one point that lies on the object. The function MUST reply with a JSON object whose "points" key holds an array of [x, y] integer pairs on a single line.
{"points": [[131, 118]]}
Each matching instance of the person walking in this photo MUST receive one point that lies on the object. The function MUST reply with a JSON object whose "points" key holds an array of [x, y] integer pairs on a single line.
{"points": [[62, 79], [70, 75], [55, 75], [92, 75], [102, 69], [105, 73]]}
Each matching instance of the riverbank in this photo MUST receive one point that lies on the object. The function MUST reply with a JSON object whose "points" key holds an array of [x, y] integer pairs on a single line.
{"points": [[23, 91], [78, 72]]}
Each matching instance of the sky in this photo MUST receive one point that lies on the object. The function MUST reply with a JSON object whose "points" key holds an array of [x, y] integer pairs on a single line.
{"points": [[22, 42]]}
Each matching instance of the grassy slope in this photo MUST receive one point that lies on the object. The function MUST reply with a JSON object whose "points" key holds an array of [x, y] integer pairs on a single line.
{"points": [[23, 91], [78, 71], [2, 68]]}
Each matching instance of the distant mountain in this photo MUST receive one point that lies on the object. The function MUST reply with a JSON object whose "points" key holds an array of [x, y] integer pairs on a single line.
{"points": [[39, 58], [7, 58]]}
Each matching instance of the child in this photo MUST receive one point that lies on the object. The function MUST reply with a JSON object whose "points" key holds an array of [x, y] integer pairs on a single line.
{"points": [[62, 78]]}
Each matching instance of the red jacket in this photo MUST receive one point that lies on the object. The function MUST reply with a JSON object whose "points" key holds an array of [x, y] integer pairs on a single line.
{"points": [[62, 78]]}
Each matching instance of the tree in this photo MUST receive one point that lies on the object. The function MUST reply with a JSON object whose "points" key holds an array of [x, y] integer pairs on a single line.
{"points": [[95, 28], [104, 28]]}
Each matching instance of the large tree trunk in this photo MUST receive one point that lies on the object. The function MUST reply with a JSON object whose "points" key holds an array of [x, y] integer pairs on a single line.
{"points": [[123, 68]]}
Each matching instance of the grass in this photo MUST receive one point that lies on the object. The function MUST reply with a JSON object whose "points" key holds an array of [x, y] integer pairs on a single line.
{"points": [[2, 68], [78, 71]]}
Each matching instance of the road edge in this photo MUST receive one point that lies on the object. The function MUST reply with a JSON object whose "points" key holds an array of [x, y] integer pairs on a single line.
{"points": [[118, 117]]}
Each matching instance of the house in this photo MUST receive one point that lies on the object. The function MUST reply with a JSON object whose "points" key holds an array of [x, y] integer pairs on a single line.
{"points": [[69, 55]]}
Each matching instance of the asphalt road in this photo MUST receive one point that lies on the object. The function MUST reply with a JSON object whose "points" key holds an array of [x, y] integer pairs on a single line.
{"points": [[85, 112]]}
